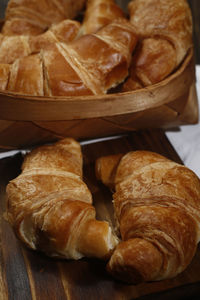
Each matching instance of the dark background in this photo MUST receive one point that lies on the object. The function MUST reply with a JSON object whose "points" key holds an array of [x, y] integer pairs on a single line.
{"points": [[195, 7]]}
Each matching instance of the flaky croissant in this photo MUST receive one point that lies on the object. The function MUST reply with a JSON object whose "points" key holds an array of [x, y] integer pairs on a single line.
{"points": [[14, 47], [157, 209], [90, 64], [32, 17], [4, 76], [50, 207], [99, 13], [165, 31]]}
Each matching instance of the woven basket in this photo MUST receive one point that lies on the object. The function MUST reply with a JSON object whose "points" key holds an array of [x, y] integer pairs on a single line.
{"points": [[27, 121]]}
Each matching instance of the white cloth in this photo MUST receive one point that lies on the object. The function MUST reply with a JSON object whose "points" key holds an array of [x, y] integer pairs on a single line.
{"points": [[186, 140]]}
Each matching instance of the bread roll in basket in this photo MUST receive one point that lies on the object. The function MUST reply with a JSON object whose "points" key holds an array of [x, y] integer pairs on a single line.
{"points": [[164, 99]]}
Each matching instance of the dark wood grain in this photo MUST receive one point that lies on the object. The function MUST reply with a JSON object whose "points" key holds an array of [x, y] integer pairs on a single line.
{"points": [[27, 275]]}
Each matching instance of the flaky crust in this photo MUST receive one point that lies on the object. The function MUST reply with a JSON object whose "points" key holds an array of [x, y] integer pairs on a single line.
{"points": [[50, 207], [165, 30], [26, 76], [32, 17], [4, 76], [95, 62], [100, 13], [14, 47], [157, 208], [21, 65], [90, 64]]}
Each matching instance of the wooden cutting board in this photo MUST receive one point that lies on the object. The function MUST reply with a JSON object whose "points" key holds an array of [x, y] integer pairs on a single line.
{"points": [[26, 274]]}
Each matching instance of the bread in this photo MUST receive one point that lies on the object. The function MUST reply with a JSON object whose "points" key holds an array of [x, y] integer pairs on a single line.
{"points": [[64, 31], [4, 76], [90, 64], [99, 13], [50, 207], [32, 17], [157, 209], [14, 47], [165, 31], [26, 76], [163, 28]]}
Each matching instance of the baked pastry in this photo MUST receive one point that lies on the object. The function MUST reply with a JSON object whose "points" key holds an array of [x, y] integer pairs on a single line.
{"points": [[99, 13], [90, 64], [4, 76], [32, 17], [65, 31], [165, 32], [164, 29], [26, 76], [50, 207], [99, 64], [157, 209], [14, 47]]}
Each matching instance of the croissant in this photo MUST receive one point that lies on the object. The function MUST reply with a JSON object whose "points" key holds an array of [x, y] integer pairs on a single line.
{"points": [[32, 17], [165, 31], [14, 47], [100, 13], [26, 76], [4, 76], [90, 64], [50, 207], [157, 208]]}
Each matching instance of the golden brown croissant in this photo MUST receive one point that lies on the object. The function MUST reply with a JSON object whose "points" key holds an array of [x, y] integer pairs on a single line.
{"points": [[32, 17], [26, 76], [13, 47], [50, 207], [4, 76], [165, 31], [157, 208], [100, 13], [91, 64]]}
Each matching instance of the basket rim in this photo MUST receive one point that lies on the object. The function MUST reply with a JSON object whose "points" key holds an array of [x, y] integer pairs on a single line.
{"points": [[14, 106], [91, 97]]}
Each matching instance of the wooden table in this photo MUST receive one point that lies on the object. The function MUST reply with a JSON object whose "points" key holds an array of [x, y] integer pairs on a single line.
{"points": [[26, 275]]}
